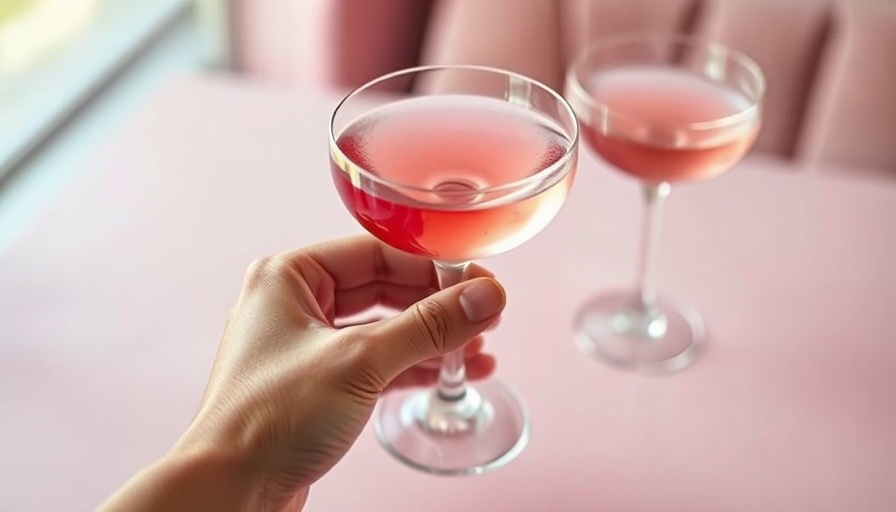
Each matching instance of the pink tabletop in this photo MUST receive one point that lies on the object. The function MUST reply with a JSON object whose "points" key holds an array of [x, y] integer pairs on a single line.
{"points": [[113, 304]]}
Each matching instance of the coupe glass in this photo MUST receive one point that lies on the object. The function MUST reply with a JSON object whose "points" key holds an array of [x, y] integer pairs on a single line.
{"points": [[472, 162], [662, 109]]}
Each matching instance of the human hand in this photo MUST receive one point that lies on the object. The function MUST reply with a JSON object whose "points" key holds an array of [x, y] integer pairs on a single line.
{"points": [[289, 392]]}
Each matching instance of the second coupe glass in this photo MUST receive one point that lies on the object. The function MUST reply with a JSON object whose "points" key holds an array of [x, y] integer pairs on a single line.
{"points": [[662, 109]]}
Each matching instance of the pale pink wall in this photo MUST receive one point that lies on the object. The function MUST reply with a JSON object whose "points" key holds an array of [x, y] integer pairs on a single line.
{"points": [[279, 40]]}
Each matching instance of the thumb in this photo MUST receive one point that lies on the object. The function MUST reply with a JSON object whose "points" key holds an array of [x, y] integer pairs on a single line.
{"points": [[438, 324]]}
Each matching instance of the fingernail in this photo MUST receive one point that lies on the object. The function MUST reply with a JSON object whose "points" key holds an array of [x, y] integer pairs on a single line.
{"points": [[483, 298]]}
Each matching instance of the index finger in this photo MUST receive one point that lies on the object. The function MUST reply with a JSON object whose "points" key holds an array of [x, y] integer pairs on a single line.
{"points": [[360, 260]]}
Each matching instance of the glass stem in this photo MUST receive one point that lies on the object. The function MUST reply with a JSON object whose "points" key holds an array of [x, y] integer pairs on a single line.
{"points": [[452, 384], [655, 195]]}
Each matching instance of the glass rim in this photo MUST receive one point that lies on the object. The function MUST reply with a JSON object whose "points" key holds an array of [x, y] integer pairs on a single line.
{"points": [[568, 154], [669, 39]]}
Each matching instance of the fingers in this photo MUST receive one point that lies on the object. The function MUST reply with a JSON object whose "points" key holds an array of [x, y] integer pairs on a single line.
{"points": [[351, 301], [360, 260], [361, 298], [440, 323], [344, 277], [478, 367]]}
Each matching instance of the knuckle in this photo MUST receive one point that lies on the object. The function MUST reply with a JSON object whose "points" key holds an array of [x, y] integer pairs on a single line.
{"points": [[264, 270], [259, 267], [433, 321]]}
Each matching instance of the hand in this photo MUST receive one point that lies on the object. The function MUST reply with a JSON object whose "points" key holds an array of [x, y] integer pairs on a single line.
{"points": [[289, 393]]}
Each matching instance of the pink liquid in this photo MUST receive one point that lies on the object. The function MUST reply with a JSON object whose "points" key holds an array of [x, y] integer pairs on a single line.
{"points": [[446, 150], [650, 131]]}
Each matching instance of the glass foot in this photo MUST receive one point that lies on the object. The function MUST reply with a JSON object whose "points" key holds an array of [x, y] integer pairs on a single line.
{"points": [[664, 339], [484, 430]]}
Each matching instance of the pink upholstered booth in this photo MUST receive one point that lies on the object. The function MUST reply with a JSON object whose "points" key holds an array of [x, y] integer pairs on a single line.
{"points": [[831, 64]]}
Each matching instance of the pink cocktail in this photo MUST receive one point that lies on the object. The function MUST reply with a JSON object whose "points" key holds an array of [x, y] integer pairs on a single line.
{"points": [[468, 163], [454, 157], [650, 143], [662, 109]]}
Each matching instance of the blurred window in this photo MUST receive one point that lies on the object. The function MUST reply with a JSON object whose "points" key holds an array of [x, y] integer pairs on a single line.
{"points": [[57, 54]]}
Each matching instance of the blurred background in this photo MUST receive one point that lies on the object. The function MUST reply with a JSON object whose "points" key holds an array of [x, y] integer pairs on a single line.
{"points": [[72, 70], [793, 409]]}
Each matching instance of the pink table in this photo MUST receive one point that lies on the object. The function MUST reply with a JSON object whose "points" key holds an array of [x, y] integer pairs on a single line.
{"points": [[112, 307]]}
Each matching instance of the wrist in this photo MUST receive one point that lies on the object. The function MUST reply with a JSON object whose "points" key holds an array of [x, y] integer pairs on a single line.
{"points": [[216, 477], [192, 478]]}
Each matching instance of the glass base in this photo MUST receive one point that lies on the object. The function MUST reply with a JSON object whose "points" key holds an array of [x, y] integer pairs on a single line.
{"points": [[484, 430], [662, 339]]}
